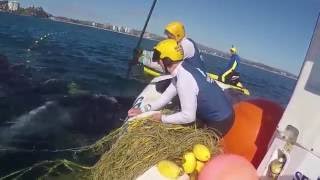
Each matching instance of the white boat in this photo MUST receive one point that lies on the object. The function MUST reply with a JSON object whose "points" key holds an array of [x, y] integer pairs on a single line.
{"points": [[296, 143]]}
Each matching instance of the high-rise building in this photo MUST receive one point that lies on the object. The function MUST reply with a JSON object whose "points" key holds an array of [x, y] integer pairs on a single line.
{"points": [[13, 5], [3, 5], [127, 30], [121, 29]]}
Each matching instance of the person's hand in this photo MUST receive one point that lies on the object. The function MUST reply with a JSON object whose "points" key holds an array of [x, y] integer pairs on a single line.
{"points": [[134, 112], [137, 52], [136, 55], [156, 117]]}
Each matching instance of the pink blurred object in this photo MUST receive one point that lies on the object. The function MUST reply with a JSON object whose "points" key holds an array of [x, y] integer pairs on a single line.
{"points": [[228, 167]]}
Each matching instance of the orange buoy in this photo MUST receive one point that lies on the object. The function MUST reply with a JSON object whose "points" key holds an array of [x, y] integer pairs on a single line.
{"points": [[255, 122], [228, 167]]}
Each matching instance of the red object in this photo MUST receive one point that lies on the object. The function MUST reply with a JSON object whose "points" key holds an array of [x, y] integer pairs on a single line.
{"points": [[228, 167], [255, 122]]}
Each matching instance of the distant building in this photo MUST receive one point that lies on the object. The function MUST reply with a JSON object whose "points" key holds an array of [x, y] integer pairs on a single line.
{"points": [[107, 26], [3, 5], [147, 35], [13, 5], [122, 29], [126, 30], [116, 28]]}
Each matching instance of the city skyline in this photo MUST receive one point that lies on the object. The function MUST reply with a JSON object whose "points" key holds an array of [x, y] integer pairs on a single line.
{"points": [[276, 34]]}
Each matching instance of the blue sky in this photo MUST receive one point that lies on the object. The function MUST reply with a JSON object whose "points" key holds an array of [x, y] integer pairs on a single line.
{"points": [[274, 32]]}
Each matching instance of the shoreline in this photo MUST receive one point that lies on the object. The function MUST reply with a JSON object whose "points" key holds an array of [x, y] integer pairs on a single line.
{"points": [[274, 72], [248, 64], [148, 38], [78, 24], [255, 66]]}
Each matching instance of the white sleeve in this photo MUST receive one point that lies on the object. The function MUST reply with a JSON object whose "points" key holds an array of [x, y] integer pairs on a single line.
{"points": [[187, 90], [146, 59], [165, 98], [188, 49], [156, 66]]}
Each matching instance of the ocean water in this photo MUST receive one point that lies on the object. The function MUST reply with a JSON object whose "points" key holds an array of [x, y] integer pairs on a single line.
{"points": [[47, 58]]}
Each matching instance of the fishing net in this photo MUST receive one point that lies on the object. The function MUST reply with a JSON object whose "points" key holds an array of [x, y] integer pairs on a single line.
{"points": [[127, 152]]}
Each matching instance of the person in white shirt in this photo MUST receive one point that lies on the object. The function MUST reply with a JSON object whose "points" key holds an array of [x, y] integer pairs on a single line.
{"points": [[176, 31], [200, 97]]}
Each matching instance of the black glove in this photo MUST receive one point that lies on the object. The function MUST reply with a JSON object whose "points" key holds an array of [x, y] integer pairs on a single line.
{"points": [[136, 55]]}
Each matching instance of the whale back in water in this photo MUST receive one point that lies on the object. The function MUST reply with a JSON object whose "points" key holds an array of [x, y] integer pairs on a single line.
{"points": [[52, 113], [55, 123]]}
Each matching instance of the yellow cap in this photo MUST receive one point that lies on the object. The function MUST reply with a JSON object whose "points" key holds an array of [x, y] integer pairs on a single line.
{"points": [[233, 50], [169, 48], [176, 29]]}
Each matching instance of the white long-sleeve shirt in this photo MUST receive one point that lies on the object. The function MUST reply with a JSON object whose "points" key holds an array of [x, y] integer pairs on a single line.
{"points": [[188, 48], [146, 59], [187, 95]]}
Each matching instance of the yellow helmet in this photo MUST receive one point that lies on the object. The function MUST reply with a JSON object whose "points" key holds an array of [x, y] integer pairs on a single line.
{"points": [[169, 48], [176, 28], [233, 50]]}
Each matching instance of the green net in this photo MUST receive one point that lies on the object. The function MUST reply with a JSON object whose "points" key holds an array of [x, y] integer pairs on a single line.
{"points": [[127, 152]]}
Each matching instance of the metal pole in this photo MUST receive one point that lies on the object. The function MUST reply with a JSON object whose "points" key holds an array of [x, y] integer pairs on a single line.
{"points": [[130, 64]]}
